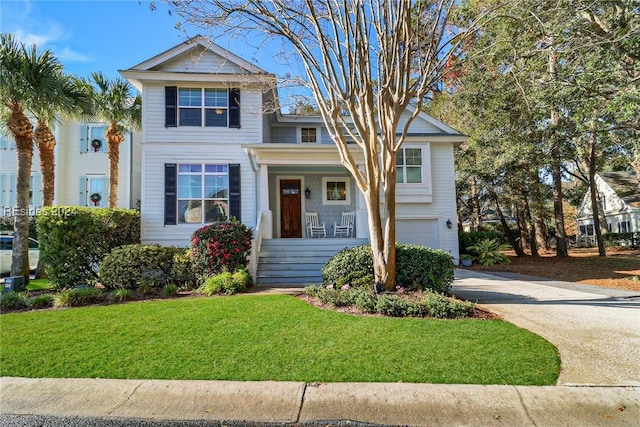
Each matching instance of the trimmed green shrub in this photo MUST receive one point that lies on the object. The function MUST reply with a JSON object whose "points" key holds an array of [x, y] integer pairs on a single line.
{"points": [[79, 297], [13, 301], [220, 247], [439, 306], [394, 305], [470, 238], [170, 290], [145, 266], [74, 240], [225, 282], [41, 301], [488, 252], [417, 267]]}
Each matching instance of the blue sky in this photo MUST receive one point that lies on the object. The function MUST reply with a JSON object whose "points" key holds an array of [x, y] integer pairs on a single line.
{"points": [[107, 36]]}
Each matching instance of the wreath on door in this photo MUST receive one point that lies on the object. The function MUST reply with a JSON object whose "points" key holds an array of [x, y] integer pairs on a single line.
{"points": [[96, 144], [95, 198]]}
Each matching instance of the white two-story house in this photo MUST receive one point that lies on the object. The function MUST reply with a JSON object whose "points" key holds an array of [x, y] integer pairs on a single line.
{"points": [[213, 147], [81, 169]]}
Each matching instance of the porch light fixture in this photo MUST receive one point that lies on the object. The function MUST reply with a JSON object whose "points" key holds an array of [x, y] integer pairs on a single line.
{"points": [[307, 193], [449, 223]]}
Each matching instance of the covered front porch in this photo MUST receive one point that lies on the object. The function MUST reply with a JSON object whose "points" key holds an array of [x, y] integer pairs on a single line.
{"points": [[292, 180]]}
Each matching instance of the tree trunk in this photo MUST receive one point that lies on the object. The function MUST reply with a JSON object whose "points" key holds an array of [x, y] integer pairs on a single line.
{"points": [[593, 192], [475, 200], [562, 249], [114, 137], [46, 143], [556, 171], [22, 131], [522, 227], [532, 228], [541, 233], [505, 226]]}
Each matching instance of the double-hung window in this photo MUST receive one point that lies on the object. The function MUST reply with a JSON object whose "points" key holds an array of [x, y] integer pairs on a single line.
{"points": [[198, 107], [203, 193], [409, 166]]}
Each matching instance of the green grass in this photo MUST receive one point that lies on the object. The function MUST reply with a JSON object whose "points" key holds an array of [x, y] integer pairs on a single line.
{"points": [[38, 284], [275, 337]]}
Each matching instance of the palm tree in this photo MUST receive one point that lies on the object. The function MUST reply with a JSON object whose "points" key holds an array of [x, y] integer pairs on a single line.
{"points": [[26, 79], [70, 99], [114, 102]]}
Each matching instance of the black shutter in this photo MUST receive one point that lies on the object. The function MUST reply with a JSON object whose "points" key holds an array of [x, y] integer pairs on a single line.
{"points": [[170, 196], [234, 108], [170, 106], [234, 191]]}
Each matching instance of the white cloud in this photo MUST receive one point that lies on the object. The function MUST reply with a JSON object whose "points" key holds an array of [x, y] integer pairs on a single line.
{"points": [[69, 55]]}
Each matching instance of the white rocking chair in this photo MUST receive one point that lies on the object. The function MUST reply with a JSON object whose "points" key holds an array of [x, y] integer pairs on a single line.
{"points": [[345, 228], [314, 227]]}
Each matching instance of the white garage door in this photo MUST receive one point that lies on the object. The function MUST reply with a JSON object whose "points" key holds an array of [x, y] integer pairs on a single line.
{"points": [[422, 232]]}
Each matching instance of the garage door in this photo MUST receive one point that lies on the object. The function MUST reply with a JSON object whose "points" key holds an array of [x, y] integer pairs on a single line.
{"points": [[422, 232]]}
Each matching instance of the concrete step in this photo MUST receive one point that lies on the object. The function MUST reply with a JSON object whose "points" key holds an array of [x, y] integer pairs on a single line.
{"points": [[297, 261]]}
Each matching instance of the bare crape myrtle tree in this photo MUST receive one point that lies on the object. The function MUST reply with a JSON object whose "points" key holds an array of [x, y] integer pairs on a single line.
{"points": [[366, 62]]}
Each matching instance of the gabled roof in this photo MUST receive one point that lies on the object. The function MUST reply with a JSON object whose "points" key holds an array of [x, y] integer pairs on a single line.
{"points": [[197, 60], [626, 186], [191, 44]]}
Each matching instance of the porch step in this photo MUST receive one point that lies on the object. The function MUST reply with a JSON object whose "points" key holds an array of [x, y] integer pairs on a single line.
{"points": [[297, 261]]}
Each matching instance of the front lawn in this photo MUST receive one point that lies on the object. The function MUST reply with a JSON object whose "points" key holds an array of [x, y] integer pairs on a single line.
{"points": [[274, 337]]}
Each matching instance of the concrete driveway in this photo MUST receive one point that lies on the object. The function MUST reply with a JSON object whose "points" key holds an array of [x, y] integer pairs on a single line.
{"points": [[596, 330]]}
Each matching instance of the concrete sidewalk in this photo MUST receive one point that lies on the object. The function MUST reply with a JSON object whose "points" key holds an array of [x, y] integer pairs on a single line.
{"points": [[280, 403]]}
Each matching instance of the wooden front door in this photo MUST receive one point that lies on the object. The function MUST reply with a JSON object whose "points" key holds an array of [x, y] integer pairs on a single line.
{"points": [[290, 209]]}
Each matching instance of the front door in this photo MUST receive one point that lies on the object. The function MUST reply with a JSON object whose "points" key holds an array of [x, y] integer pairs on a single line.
{"points": [[290, 210]]}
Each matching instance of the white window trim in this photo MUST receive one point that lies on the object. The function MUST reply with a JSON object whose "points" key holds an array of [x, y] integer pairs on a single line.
{"points": [[299, 134], [346, 180]]}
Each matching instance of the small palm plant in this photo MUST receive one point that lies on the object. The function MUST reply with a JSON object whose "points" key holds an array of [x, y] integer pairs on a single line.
{"points": [[488, 252]]}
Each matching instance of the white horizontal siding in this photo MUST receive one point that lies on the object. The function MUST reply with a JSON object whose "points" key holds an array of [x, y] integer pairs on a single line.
{"points": [[71, 164], [154, 158], [418, 125], [443, 204], [154, 116], [198, 60]]}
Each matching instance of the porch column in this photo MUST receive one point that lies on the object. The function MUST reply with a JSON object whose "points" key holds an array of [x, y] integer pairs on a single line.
{"points": [[362, 219], [263, 202]]}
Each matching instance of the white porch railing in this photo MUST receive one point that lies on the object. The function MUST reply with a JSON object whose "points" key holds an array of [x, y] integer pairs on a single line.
{"points": [[256, 242]]}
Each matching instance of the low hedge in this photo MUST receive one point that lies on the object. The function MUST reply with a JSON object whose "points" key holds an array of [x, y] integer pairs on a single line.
{"points": [[417, 267], [429, 304], [228, 283], [149, 267]]}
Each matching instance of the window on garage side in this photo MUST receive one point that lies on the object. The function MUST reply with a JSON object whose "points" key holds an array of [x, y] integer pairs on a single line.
{"points": [[409, 166]]}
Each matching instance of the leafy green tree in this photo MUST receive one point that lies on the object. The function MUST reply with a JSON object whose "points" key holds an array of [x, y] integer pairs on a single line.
{"points": [[27, 79]]}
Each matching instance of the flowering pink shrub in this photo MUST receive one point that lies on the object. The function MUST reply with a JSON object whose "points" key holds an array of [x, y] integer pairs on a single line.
{"points": [[220, 247]]}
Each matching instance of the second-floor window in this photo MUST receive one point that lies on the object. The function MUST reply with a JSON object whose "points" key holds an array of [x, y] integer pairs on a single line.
{"points": [[203, 107], [409, 166], [97, 141], [308, 135]]}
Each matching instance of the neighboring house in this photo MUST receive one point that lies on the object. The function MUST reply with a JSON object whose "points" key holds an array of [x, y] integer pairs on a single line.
{"points": [[619, 194], [213, 147], [81, 167]]}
